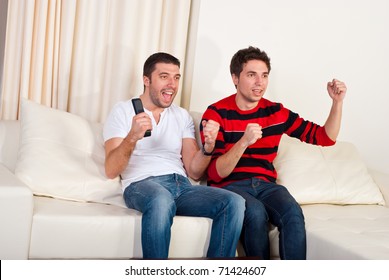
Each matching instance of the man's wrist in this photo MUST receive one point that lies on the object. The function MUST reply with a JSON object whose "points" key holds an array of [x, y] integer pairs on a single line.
{"points": [[205, 153]]}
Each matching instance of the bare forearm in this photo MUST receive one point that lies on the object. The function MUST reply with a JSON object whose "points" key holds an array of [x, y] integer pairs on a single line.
{"points": [[198, 165], [227, 162], [333, 123], [117, 159]]}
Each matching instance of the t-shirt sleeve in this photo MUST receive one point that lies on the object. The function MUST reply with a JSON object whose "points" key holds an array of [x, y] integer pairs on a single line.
{"points": [[189, 129]]}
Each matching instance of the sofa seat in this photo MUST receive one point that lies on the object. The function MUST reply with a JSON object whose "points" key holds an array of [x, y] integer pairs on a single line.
{"points": [[76, 230], [347, 232]]}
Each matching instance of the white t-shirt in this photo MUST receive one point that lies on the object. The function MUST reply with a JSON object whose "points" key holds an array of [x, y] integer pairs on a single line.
{"points": [[159, 154]]}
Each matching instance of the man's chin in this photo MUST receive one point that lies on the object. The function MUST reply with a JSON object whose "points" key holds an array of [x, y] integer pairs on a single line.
{"points": [[165, 104]]}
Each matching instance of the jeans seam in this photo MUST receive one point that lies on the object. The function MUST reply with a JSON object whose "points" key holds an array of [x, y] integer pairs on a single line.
{"points": [[223, 234], [281, 236]]}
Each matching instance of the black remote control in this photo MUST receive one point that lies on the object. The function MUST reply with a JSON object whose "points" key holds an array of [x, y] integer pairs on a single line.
{"points": [[138, 107]]}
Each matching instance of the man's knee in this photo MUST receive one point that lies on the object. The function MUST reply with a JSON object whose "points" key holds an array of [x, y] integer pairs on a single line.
{"points": [[236, 201], [162, 204], [294, 215], [256, 214]]}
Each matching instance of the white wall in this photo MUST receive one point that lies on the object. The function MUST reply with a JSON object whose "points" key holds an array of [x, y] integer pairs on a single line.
{"points": [[309, 43]]}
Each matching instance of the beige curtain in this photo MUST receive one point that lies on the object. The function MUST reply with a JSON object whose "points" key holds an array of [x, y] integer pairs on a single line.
{"points": [[83, 56]]}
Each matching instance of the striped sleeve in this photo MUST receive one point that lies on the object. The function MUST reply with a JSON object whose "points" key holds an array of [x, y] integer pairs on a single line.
{"points": [[307, 131]]}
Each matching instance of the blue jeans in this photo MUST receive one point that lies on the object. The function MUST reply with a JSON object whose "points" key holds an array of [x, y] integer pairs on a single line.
{"points": [[160, 198], [269, 202]]}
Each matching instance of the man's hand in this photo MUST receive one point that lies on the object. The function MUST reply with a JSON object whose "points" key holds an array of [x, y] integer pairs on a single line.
{"points": [[252, 133], [140, 123], [210, 131], [336, 89]]}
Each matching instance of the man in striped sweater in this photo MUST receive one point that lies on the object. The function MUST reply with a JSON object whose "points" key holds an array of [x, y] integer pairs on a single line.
{"points": [[242, 161]]}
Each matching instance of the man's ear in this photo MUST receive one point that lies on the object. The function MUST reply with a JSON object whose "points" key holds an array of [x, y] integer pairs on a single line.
{"points": [[235, 80], [146, 81]]}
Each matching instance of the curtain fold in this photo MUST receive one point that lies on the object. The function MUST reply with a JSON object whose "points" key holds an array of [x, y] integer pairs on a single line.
{"points": [[83, 56]]}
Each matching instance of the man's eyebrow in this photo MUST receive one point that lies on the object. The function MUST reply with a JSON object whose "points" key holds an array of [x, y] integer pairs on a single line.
{"points": [[166, 73], [252, 72], [255, 72]]}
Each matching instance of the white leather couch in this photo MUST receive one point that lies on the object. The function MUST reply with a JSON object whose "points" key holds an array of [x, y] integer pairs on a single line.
{"points": [[55, 202]]}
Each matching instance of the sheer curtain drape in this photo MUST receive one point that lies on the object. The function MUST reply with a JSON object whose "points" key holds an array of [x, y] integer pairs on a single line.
{"points": [[82, 56]]}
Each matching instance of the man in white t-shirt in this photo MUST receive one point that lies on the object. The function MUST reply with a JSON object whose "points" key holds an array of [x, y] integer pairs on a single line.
{"points": [[155, 169]]}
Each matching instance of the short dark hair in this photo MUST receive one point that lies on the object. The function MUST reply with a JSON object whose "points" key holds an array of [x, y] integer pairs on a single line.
{"points": [[244, 55], [159, 57]]}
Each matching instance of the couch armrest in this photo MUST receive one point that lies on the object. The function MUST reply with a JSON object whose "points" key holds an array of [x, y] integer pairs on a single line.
{"points": [[16, 210], [382, 180]]}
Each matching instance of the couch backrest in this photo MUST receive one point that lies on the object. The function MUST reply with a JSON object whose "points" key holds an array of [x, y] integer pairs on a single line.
{"points": [[9, 143], [196, 119]]}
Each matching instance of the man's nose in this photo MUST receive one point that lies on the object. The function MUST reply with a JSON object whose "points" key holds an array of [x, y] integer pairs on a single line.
{"points": [[171, 81], [258, 80]]}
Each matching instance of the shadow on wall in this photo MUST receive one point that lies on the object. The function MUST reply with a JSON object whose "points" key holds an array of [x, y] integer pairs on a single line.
{"points": [[207, 74]]}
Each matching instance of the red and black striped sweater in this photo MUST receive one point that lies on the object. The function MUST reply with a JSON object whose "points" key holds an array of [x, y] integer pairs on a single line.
{"points": [[257, 160]]}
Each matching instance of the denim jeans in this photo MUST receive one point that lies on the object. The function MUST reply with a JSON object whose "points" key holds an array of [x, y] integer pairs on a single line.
{"points": [[269, 202], [160, 198]]}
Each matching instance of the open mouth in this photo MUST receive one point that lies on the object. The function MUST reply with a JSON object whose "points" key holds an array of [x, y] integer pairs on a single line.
{"points": [[167, 95], [257, 91]]}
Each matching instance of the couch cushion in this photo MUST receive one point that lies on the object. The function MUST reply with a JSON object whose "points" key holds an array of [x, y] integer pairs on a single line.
{"points": [[62, 155], [72, 230], [347, 232], [334, 175]]}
